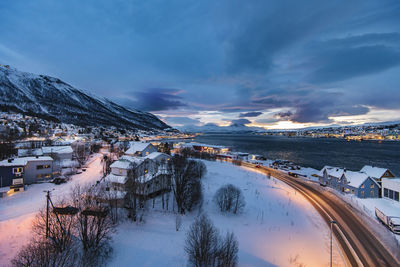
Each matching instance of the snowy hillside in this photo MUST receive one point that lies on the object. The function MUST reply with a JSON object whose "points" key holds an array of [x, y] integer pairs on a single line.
{"points": [[50, 98]]}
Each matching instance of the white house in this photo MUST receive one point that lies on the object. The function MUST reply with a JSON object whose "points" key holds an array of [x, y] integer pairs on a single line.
{"points": [[140, 149], [122, 166], [391, 188]]}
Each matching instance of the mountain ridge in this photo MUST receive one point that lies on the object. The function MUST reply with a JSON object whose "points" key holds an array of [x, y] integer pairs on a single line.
{"points": [[53, 99]]}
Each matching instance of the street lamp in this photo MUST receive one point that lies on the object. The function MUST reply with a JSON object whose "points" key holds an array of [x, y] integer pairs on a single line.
{"points": [[331, 223]]}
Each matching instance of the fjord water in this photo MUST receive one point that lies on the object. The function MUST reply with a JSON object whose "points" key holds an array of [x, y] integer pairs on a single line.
{"points": [[313, 152]]}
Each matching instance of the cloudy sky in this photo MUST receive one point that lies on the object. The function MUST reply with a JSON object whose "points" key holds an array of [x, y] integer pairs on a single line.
{"points": [[274, 64]]}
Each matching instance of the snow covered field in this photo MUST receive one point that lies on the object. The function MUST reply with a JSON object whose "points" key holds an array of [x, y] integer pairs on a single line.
{"points": [[277, 228], [18, 211]]}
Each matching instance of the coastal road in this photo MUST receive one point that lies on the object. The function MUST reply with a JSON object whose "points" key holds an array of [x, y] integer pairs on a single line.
{"points": [[358, 243]]}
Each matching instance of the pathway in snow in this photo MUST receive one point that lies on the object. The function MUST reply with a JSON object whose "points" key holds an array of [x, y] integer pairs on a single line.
{"points": [[279, 227], [18, 211]]}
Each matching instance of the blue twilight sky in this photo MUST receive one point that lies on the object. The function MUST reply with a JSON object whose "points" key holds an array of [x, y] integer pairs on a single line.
{"points": [[276, 64]]}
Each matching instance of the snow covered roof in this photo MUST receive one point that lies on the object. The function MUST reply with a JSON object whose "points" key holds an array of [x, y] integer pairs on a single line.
{"points": [[355, 179], [155, 155], [121, 164], [23, 161], [132, 159], [332, 171], [136, 146], [23, 152], [112, 178], [57, 149], [374, 172], [125, 162]]}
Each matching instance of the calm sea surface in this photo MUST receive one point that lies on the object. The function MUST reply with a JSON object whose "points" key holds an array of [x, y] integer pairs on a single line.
{"points": [[313, 152]]}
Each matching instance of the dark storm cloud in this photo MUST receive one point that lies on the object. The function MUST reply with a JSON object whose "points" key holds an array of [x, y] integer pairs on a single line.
{"points": [[352, 56], [240, 121], [315, 58], [283, 115], [250, 114], [157, 99]]}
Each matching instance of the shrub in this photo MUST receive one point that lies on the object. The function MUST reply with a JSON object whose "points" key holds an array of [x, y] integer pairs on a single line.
{"points": [[229, 199]]}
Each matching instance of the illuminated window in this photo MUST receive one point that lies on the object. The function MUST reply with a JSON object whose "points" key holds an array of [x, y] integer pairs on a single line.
{"points": [[17, 170], [145, 171], [147, 153], [120, 171], [362, 186], [372, 186], [362, 193], [372, 193]]}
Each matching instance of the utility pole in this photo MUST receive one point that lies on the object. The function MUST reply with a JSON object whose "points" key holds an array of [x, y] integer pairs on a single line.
{"points": [[47, 213], [331, 222]]}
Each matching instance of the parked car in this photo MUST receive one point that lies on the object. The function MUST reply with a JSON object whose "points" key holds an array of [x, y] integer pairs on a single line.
{"points": [[59, 180]]}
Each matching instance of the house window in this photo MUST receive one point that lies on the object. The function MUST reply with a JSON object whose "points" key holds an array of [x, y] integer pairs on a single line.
{"points": [[147, 153], [145, 171], [120, 171], [396, 195], [385, 192], [362, 193], [18, 171], [362, 186], [46, 166], [39, 167], [391, 194], [372, 186], [39, 176], [371, 194]]}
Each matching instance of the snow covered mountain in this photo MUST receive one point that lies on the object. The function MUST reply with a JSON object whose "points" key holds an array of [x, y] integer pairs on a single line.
{"points": [[50, 98]]}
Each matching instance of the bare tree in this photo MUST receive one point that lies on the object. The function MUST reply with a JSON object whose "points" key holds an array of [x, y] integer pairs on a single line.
{"points": [[228, 250], [202, 243], [94, 225], [229, 199], [60, 228], [41, 252], [205, 247], [186, 185]]}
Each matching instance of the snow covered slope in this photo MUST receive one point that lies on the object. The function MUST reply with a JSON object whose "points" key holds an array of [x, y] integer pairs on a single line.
{"points": [[50, 98]]}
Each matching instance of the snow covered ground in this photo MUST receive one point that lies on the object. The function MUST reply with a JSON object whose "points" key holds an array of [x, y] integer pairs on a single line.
{"points": [[277, 228], [18, 211]]}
